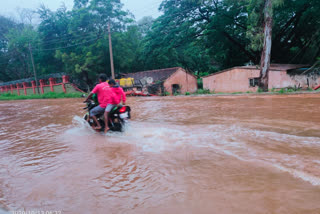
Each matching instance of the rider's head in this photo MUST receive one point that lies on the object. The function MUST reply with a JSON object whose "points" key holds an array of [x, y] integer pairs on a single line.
{"points": [[112, 82], [102, 78]]}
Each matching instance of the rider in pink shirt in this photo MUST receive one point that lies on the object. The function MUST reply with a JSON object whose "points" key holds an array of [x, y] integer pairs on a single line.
{"points": [[103, 91], [105, 97], [118, 91], [119, 95]]}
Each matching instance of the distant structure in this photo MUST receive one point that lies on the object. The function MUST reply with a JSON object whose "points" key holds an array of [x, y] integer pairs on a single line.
{"points": [[163, 81], [245, 79]]}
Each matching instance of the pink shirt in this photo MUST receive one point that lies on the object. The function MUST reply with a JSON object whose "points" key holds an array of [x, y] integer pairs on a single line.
{"points": [[105, 94], [119, 94]]}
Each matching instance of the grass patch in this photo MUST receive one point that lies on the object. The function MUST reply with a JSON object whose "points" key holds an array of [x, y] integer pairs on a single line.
{"points": [[260, 90], [288, 90], [166, 93], [49, 95], [203, 91], [281, 91]]}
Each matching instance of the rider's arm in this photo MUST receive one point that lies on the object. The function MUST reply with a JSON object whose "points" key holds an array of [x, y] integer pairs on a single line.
{"points": [[90, 95], [123, 97]]}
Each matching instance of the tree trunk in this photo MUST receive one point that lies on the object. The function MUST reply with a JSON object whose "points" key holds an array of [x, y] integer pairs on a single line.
{"points": [[266, 52]]}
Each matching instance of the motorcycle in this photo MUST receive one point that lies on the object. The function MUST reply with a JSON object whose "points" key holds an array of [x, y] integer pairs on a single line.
{"points": [[118, 117]]}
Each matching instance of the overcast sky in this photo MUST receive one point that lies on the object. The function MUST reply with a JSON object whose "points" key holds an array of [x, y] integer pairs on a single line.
{"points": [[139, 8]]}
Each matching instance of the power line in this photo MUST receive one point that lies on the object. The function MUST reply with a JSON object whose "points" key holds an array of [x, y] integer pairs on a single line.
{"points": [[87, 34], [64, 38], [46, 43], [59, 48], [8, 55], [155, 4], [69, 46], [71, 34]]}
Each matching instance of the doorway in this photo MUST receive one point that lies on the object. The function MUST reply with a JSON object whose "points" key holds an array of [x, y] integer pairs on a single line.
{"points": [[176, 89]]}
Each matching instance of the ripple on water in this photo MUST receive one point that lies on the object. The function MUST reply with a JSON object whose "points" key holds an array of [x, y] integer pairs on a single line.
{"points": [[242, 143], [169, 159]]}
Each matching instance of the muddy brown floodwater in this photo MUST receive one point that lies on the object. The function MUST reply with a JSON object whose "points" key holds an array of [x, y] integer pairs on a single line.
{"points": [[232, 154]]}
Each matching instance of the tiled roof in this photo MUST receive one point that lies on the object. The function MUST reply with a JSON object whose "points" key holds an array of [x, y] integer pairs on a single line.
{"points": [[280, 67], [157, 75], [273, 67]]}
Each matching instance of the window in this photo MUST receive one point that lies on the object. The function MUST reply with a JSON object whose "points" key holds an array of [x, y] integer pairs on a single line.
{"points": [[254, 82]]}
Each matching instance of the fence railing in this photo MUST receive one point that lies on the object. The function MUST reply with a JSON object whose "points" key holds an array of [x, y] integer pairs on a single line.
{"points": [[45, 85]]}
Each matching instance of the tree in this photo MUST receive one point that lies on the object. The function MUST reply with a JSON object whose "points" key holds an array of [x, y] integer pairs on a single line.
{"points": [[267, 44], [18, 46], [201, 36], [199, 30], [296, 37], [88, 24], [145, 24], [7, 57]]}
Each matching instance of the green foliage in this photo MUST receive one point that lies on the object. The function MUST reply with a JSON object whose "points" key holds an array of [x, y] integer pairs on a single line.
{"points": [[200, 36], [18, 40], [166, 93], [260, 90], [203, 74], [203, 91], [49, 95], [187, 93], [296, 32], [256, 11]]}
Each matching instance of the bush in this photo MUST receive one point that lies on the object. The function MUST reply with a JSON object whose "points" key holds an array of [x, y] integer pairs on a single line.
{"points": [[260, 90], [166, 93], [203, 91], [203, 74], [187, 93], [290, 90]]}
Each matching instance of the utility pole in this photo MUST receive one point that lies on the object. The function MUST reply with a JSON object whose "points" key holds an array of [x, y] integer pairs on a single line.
{"points": [[34, 69], [110, 50]]}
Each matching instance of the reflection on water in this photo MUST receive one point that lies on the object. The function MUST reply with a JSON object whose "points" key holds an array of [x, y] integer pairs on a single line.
{"points": [[178, 155]]}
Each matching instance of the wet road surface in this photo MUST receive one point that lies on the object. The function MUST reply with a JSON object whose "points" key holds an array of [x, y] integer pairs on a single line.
{"points": [[235, 154]]}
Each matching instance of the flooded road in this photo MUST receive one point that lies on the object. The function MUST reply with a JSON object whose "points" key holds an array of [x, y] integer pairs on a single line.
{"points": [[232, 154]]}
